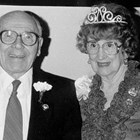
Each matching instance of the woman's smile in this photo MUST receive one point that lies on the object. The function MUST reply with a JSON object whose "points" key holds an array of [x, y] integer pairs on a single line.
{"points": [[103, 64]]}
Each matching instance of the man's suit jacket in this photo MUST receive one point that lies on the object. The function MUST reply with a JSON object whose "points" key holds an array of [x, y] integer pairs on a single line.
{"points": [[61, 120]]}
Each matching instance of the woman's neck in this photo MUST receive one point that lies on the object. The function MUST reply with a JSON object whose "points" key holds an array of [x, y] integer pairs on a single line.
{"points": [[114, 79], [110, 86]]}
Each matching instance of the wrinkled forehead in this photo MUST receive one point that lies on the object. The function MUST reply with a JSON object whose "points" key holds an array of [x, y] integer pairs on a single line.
{"points": [[18, 21]]}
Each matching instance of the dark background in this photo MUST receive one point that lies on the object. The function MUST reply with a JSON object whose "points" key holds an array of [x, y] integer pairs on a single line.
{"points": [[128, 3]]}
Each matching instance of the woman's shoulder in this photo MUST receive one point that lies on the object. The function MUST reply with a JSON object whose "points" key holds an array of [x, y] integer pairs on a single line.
{"points": [[82, 85]]}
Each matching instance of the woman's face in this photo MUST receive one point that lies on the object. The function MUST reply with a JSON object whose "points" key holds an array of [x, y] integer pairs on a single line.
{"points": [[105, 56]]}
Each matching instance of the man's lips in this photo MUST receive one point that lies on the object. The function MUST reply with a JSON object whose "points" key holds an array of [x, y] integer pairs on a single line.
{"points": [[103, 64], [16, 56]]}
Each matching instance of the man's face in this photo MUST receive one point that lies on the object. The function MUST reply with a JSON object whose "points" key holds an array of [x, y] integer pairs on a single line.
{"points": [[17, 58]]}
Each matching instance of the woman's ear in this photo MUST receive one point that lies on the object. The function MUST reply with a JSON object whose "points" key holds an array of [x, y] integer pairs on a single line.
{"points": [[125, 57]]}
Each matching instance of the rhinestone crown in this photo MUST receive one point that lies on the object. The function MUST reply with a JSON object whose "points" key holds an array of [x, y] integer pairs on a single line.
{"points": [[101, 15]]}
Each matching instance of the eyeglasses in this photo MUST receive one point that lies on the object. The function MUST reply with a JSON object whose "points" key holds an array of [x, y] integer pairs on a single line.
{"points": [[110, 47], [9, 37]]}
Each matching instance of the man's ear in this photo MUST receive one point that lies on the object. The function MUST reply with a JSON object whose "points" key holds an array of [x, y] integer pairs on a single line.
{"points": [[40, 43]]}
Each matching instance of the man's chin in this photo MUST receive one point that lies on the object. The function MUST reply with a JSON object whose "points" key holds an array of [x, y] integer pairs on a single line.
{"points": [[16, 71]]}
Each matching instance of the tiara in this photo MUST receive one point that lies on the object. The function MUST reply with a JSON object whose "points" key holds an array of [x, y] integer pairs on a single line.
{"points": [[101, 15]]}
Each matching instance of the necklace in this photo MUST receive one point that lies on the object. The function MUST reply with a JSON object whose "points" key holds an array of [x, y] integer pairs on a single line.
{"points": [[100, 124]]}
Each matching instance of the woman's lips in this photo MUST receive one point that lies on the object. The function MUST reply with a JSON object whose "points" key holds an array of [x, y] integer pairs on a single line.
{"points": [[103, 64]]}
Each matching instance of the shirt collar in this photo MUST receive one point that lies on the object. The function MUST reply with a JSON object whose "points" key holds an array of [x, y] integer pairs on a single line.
{"points": [[6, 79], [26, 82], [26, 77]]}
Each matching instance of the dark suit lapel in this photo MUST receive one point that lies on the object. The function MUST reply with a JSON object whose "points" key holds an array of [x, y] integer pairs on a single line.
{"points": [[40, 113]]}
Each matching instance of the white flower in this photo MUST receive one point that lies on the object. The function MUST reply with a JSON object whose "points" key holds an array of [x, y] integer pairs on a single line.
{"points": [[82, 85], [42, 86]]}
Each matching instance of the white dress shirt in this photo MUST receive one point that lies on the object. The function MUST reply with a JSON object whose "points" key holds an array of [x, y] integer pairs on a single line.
{"points": [[24, 96]]}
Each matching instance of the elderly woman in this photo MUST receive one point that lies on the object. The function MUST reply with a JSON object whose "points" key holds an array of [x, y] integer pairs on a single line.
{"points": [[109, 100]]}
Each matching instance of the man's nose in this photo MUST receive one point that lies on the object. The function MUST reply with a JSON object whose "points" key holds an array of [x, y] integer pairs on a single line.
{"points": [[18, 43]]}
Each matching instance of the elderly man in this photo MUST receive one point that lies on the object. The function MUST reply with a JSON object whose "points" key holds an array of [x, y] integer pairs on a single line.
{"points": [[42, 106]]}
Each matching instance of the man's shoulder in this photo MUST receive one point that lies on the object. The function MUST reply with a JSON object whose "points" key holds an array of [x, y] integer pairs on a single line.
{"points": [[60, 85], [53, 78]]}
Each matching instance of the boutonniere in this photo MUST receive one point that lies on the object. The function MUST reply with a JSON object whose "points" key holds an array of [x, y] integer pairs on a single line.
{"points": [[41, 87], [82, 85]]}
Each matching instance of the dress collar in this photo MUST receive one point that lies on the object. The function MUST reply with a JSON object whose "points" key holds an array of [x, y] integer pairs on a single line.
{"points": [[116, 79]]}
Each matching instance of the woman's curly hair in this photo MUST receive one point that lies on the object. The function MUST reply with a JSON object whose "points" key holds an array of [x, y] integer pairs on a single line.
{"points": [[126, 33]]}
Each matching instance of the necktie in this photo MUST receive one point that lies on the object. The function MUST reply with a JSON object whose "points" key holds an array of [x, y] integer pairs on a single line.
{"points": [[13, 121]]}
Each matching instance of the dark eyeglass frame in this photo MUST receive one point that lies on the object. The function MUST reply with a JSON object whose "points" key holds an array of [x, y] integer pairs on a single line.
{"points": [[36, 35]]}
